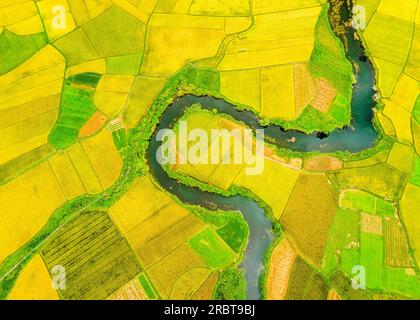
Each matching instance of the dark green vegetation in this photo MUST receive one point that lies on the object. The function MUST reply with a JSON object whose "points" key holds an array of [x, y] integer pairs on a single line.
{"points": [[75, 110], [305, 283], [18, 165], [145, 283], [16, 49], [96, 257], [213, 250], [230, 285]]}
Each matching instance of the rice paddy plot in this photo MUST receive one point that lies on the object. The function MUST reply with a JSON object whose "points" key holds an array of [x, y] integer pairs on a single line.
{"points": [[96, 257], [75, 110], [213, 249]]}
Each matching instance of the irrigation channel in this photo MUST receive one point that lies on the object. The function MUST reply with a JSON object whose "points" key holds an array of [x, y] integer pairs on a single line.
{"points": [[360, 135]]}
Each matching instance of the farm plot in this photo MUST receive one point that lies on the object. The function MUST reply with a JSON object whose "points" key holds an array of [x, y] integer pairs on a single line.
{"points": [[343, 242], [386, 28], [139, 203], [112, 93], [140, 99], [165, 273], [34, 283], [220, 8], [20, 17], [158, 247], [396, 247], [25, 212], [29, 98], [188, 283], [96, 257], [130, 291], [379, 179], [309, 215], [409, 208], [191, 37], [19, 48], [107, 168], [288, 36], [281, 263], [273, 186], [213, 249], [366, 202], [205, 292], [305, 283], [75, 110]]}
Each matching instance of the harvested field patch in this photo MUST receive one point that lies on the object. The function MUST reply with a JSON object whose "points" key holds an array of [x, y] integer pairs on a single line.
{"points": [[305, 88], [96, 257], [322, 163], [93, 125], [281, 263], [371, 224], [396, 247], [130, 291], [324, 97], [309, 215]]}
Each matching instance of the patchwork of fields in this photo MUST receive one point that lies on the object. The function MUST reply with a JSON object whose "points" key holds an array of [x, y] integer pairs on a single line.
{"points": [[83, 85]]}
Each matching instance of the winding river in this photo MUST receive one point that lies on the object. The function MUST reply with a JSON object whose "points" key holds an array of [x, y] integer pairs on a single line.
{"points": [[358, 136]]}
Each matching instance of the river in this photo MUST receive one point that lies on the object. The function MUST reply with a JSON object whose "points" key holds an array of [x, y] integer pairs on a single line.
{"points": [[359, 136]]}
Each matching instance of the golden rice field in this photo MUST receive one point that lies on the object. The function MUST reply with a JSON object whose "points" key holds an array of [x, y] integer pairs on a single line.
{"points": [[94, 206]]}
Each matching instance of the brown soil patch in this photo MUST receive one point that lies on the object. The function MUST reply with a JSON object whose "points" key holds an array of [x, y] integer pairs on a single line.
{"points": [[93, 125], [323, 163], [371, 224], [305, 88], [325, 94], [333, 295], [130, 291], [281, 264]]}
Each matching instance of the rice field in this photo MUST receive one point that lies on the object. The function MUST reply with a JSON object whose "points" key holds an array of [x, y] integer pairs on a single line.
{"points": [[96, 257]]}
